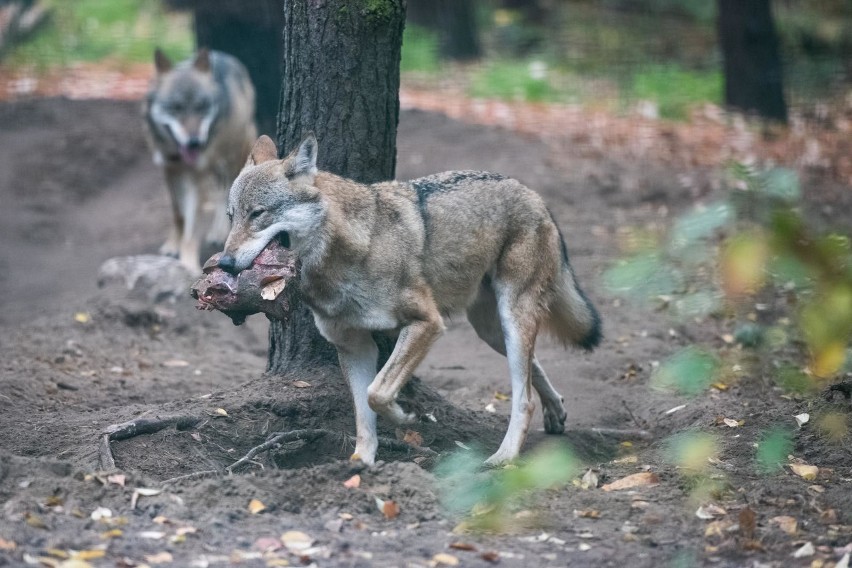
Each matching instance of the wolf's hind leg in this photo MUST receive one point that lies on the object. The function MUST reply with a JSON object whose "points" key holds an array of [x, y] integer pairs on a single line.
{"points": [[172, 245], [483, 316]]}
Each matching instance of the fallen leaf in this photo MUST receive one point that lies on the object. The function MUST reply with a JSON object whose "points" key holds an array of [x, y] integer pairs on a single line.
{"points": [[353, 482], [413, 438], [748, 522], [273, 289], [296, 541], [462, 546], [159, 558], [786, 523], [642, 479], [151, 535], [828, 517], [196, 436], [390, 509], [181, 531], [174, 363], [816, 488], [301, 384], [583, 547], [805, 471], [494, 557], [142, 492], [255, 506], [34, 521], [730, 422], [710, 511], [117, 479], [445, 559], [675, 409], [717, 528], [462, 445], [7, 545], [82, 317], [345, 516], [91, 554], [802, 419], [589, 480], [587, 514], [490, 408], [57, 553], [161, 520], [805, 550], [501, 396], [220, 412], [267, 544], [113, 533]]}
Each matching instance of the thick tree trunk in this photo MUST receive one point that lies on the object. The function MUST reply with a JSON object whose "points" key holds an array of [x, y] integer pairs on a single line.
{"points": [[251, 32], [341, 81], [752, 62]]}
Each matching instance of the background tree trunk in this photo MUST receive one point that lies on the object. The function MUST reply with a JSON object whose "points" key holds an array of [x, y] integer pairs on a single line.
{"points": [[340, 80], [251, 32], [454, 21], [752, 62]]}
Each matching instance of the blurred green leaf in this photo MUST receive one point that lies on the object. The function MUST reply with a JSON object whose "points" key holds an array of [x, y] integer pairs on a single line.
{"points": [[700, 224], [786, 269], [783, 184], [773, 448], [689, 372], [793, 380], [643, 277], [749, 334], [691, 450], [697, 304]]}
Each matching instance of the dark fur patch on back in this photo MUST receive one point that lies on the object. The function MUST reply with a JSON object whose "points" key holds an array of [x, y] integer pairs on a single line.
{"points": [[449, 181]]}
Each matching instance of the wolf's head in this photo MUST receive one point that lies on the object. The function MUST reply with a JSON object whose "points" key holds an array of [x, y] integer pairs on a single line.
{"points": [[185, 103], [272, 198]]}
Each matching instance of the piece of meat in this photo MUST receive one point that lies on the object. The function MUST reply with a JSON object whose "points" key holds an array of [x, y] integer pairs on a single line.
{"points": [[257, 289]]}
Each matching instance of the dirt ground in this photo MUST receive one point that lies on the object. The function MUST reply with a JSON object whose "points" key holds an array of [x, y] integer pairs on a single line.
{"points": [[77, 187]]}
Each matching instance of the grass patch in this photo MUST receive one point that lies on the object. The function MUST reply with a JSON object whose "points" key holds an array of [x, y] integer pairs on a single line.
{"points": [[514, 80], [419, 50], [676, 90], [92, 30]]}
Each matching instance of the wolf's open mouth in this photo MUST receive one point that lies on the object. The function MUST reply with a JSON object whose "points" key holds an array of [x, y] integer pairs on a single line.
{"points": [[283, 239]]}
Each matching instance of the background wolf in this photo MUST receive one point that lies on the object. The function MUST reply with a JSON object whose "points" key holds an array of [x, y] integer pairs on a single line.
{"points": [[200, 119], [395, 257]]}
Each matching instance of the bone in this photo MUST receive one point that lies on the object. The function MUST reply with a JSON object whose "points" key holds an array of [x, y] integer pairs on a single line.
{"points": [[258, 289]]}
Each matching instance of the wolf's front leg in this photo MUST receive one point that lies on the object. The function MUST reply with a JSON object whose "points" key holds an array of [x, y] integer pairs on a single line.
{"points": [[174, 184], [411, 347], [358, 356]]}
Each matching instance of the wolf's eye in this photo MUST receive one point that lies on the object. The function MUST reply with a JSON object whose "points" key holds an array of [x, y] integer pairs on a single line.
{"points": [[256, 213]]}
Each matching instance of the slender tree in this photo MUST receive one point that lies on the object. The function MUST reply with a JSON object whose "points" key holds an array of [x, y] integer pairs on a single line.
{"points": [[752, 60]]}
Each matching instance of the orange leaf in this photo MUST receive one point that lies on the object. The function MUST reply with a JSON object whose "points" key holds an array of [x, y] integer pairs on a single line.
{"points": [[353, 482], [643, 479]]}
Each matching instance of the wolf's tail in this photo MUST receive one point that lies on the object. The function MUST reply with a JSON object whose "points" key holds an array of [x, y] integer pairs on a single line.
{"points": [[572, 317]]}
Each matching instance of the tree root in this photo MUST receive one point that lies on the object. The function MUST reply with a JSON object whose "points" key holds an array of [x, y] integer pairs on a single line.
{"points": [[626, 434], [139, 426]]}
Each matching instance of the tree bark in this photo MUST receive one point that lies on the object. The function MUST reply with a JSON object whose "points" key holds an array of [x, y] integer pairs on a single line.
{"points": [[752, 62], [341, 81], [251, 32]]}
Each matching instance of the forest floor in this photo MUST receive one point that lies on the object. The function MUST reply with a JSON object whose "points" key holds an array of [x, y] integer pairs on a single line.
{"points": [[78, 187]]}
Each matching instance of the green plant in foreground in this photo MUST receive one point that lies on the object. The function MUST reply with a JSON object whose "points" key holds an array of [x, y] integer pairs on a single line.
{"points": [[487, 499]]}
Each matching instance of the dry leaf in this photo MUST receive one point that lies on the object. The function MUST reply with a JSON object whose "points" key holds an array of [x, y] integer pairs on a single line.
{"points": [[786, 523], [490, 408], [828, 517], [220, 412], [82, 317], [296, 541], [589, 480], [710, 511], [34, 521], [643, 479], [255, 506], [142, 492], [500, 396], [462, 546], [92, 554], [353, 482], [267, 544], [802, 419], [583, 547], [413, 438], [273, 289], [113, 533], [159, 558], [174, 363], [445, 559], [730, 422], [805, 471], [390, 509], [151, 535], [490, 556], [805, 550], [587, 514], [717, 528], [748, 522], [301, 384], [7, 545]]}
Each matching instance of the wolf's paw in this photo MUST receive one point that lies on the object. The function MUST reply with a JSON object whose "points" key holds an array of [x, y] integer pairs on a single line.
{"points": [[500, 458], [554, 419], [169, 249]]}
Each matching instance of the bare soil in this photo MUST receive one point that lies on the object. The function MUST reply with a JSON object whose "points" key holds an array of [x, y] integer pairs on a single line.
{"points": [[77, 187]]}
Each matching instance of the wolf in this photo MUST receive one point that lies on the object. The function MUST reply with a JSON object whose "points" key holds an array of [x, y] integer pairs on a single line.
{"points": [[200, 125], [397, 257]]}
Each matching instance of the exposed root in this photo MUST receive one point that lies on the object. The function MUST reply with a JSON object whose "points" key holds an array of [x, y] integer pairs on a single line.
{"points": [[193, 475], [625, 434], [136, 427]]}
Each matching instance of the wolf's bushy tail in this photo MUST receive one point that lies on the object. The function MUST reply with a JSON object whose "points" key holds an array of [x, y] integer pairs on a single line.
{"points": [[572, 317]]}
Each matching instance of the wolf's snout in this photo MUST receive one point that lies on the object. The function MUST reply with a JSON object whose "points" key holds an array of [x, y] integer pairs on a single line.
{"points": [[194, 143], [228, 263]]}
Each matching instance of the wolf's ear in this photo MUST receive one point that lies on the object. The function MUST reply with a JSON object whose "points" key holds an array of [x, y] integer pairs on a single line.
{"points": [[304, 158], [162, 61], [263, 150], [202, 60]]}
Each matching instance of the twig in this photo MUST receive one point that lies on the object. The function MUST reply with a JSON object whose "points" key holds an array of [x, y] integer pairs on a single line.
{"points": [[279, 438], [632, 416], [636, 434], [400, 446], [193, 475], [137, 427]]}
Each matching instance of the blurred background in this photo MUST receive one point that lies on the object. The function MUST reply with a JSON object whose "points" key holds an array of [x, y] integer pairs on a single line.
{"points": [[657, 58]]}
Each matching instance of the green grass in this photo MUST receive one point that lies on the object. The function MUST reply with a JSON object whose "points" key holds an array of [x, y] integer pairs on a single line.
{"points": [[513, 80], [419, 51], [675, 90], [92, 30]]}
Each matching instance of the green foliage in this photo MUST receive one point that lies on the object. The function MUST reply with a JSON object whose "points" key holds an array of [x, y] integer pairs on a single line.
{"points": [[91, 30], [676, 90], [514, 80], [487, 498], [772, 450], [689, 372], [419, 50]]}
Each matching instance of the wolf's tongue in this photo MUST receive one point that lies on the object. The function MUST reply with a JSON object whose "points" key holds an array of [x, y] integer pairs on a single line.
{"points": [[189, 156]]}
